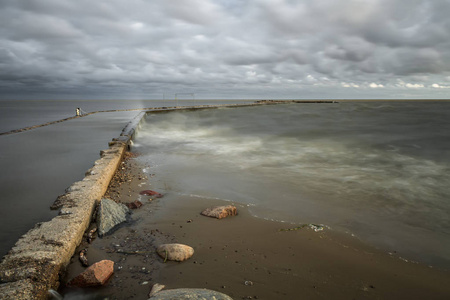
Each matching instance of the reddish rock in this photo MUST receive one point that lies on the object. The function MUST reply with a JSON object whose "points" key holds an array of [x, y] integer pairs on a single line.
{"points": [[151, 193], [220, 212], [176, 252], [134, 205], [95, 275]]}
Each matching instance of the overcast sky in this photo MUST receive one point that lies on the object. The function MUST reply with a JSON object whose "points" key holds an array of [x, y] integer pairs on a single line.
{"points": [[138, 49]]}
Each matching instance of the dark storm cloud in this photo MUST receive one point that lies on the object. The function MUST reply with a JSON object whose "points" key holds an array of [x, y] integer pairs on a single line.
{"points": [[218, 48]]}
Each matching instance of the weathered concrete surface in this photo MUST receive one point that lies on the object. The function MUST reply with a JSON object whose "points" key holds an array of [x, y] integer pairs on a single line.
{"points": [[193, 294], [110, 214], [35, 263]]}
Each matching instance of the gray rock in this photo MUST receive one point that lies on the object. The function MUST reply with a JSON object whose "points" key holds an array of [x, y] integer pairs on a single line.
{"points": [[176, 252], [193, 294], [110, 214]]}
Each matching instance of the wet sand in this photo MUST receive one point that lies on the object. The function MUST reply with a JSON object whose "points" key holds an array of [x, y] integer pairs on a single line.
{"points": [[242, 256]]}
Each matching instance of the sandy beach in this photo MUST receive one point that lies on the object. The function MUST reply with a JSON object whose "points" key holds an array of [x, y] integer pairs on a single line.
{"points": [[243, 256]]}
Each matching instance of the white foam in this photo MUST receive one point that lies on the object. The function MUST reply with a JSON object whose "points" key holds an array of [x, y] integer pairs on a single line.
{"points": [[205, 197]]}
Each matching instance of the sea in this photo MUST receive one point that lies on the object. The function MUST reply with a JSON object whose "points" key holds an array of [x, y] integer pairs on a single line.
{"points": [[377, 170]]}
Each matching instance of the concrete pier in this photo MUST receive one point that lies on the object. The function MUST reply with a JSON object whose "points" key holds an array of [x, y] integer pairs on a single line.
{"points": [[35, 263]]}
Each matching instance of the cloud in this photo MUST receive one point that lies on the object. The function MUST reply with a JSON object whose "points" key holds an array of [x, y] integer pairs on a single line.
{"points": [[350, 85], [414, 86], [221, 48], [375, 85], [438, 86]]}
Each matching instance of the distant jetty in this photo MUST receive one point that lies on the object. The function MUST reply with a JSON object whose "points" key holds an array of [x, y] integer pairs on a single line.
{"points": [[293, 101], [78, 115]]}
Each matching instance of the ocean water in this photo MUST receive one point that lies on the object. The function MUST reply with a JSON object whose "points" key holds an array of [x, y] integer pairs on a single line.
{"points": [[38, 165], [377, 170]]}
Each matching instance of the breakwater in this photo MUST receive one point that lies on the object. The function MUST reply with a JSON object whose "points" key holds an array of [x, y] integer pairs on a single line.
{"points": [[141, 109], [164, 108], [36, 262]]}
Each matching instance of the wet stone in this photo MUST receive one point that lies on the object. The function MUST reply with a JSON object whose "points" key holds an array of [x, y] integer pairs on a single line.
{"points": [[156, 289], [95, 275], [110, 214], [176, 252], [220, 212], [134, 205]]}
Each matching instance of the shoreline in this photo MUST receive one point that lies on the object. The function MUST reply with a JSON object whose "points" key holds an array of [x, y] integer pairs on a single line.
{"points": [[243, 256]]}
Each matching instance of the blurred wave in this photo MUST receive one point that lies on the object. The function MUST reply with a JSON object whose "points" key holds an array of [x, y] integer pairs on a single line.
{"points": [[380, 171]]}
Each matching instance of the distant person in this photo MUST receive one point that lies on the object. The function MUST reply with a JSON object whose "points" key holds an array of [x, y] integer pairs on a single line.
{"points": [[78, 112]]}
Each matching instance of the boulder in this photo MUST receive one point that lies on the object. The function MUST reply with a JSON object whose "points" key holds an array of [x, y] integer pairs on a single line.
{"points": [[110, 214], [192, 294], [220, 212], [95, 275], [176, 252]]}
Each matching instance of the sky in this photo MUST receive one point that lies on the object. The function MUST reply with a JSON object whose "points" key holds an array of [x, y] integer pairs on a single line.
{"points": [[225, 49]]}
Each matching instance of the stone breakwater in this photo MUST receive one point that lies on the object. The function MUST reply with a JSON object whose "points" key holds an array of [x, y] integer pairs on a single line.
{"points": [[35, 263], [266, 102]]}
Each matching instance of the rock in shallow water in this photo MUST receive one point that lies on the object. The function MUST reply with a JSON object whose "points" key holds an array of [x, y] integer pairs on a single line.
{"points": [[110, 214], [220, 212], [193, 294], [134, 205], [176, 252], [95, 275]]}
